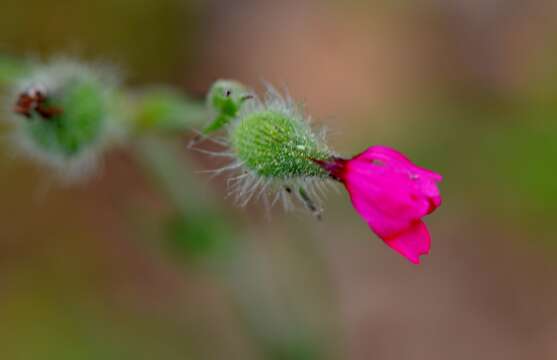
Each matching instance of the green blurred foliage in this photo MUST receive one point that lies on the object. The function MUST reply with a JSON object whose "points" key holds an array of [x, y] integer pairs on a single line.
{"points": [[152, 40], [166, 110], [499, 163], [297, 349], [11, 68], [198, 236]]}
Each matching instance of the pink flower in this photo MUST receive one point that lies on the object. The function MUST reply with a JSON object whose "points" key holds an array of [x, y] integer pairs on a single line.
{"points": [[392, 195]]}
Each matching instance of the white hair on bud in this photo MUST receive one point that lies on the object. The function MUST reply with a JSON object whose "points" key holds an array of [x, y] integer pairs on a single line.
{"points": [[245, 185]]}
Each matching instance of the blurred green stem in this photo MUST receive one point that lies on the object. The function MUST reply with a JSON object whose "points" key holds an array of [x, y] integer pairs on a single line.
{"points": [[162, 158], [163, 109], [240, 270]]}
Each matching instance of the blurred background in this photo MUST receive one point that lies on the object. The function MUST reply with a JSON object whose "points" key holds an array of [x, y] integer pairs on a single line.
{"points": [[111, 269]]}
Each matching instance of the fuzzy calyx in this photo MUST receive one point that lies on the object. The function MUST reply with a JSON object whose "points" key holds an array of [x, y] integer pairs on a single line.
{"points": [[275, 145]]}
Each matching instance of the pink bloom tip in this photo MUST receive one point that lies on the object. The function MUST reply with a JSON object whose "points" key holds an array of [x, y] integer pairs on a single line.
{"points": [[392, 195]]}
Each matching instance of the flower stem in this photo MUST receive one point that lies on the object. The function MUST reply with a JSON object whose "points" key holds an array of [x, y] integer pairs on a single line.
{"points": [[164, 163]]}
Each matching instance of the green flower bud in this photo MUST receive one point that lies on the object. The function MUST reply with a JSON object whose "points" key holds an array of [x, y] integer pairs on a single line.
{"points": [[274, 143], [225, 99], [64, 115], [276, 150]]}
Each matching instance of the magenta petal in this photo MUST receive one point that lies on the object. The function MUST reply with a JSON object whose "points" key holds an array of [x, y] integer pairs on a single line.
{"points": [[411, 243], [392, 195]]}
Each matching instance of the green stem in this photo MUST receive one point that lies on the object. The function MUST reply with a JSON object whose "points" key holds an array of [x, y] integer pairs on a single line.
{"points": [[164, 162], [247, 284]]}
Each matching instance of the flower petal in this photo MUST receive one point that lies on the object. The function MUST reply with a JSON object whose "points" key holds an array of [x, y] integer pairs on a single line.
{"points": [[392, 195], [412, 242]]}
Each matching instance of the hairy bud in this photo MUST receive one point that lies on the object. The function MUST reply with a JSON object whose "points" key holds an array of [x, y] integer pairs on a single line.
{"points": [[64, 115], [277, 152], [274, 143]]}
